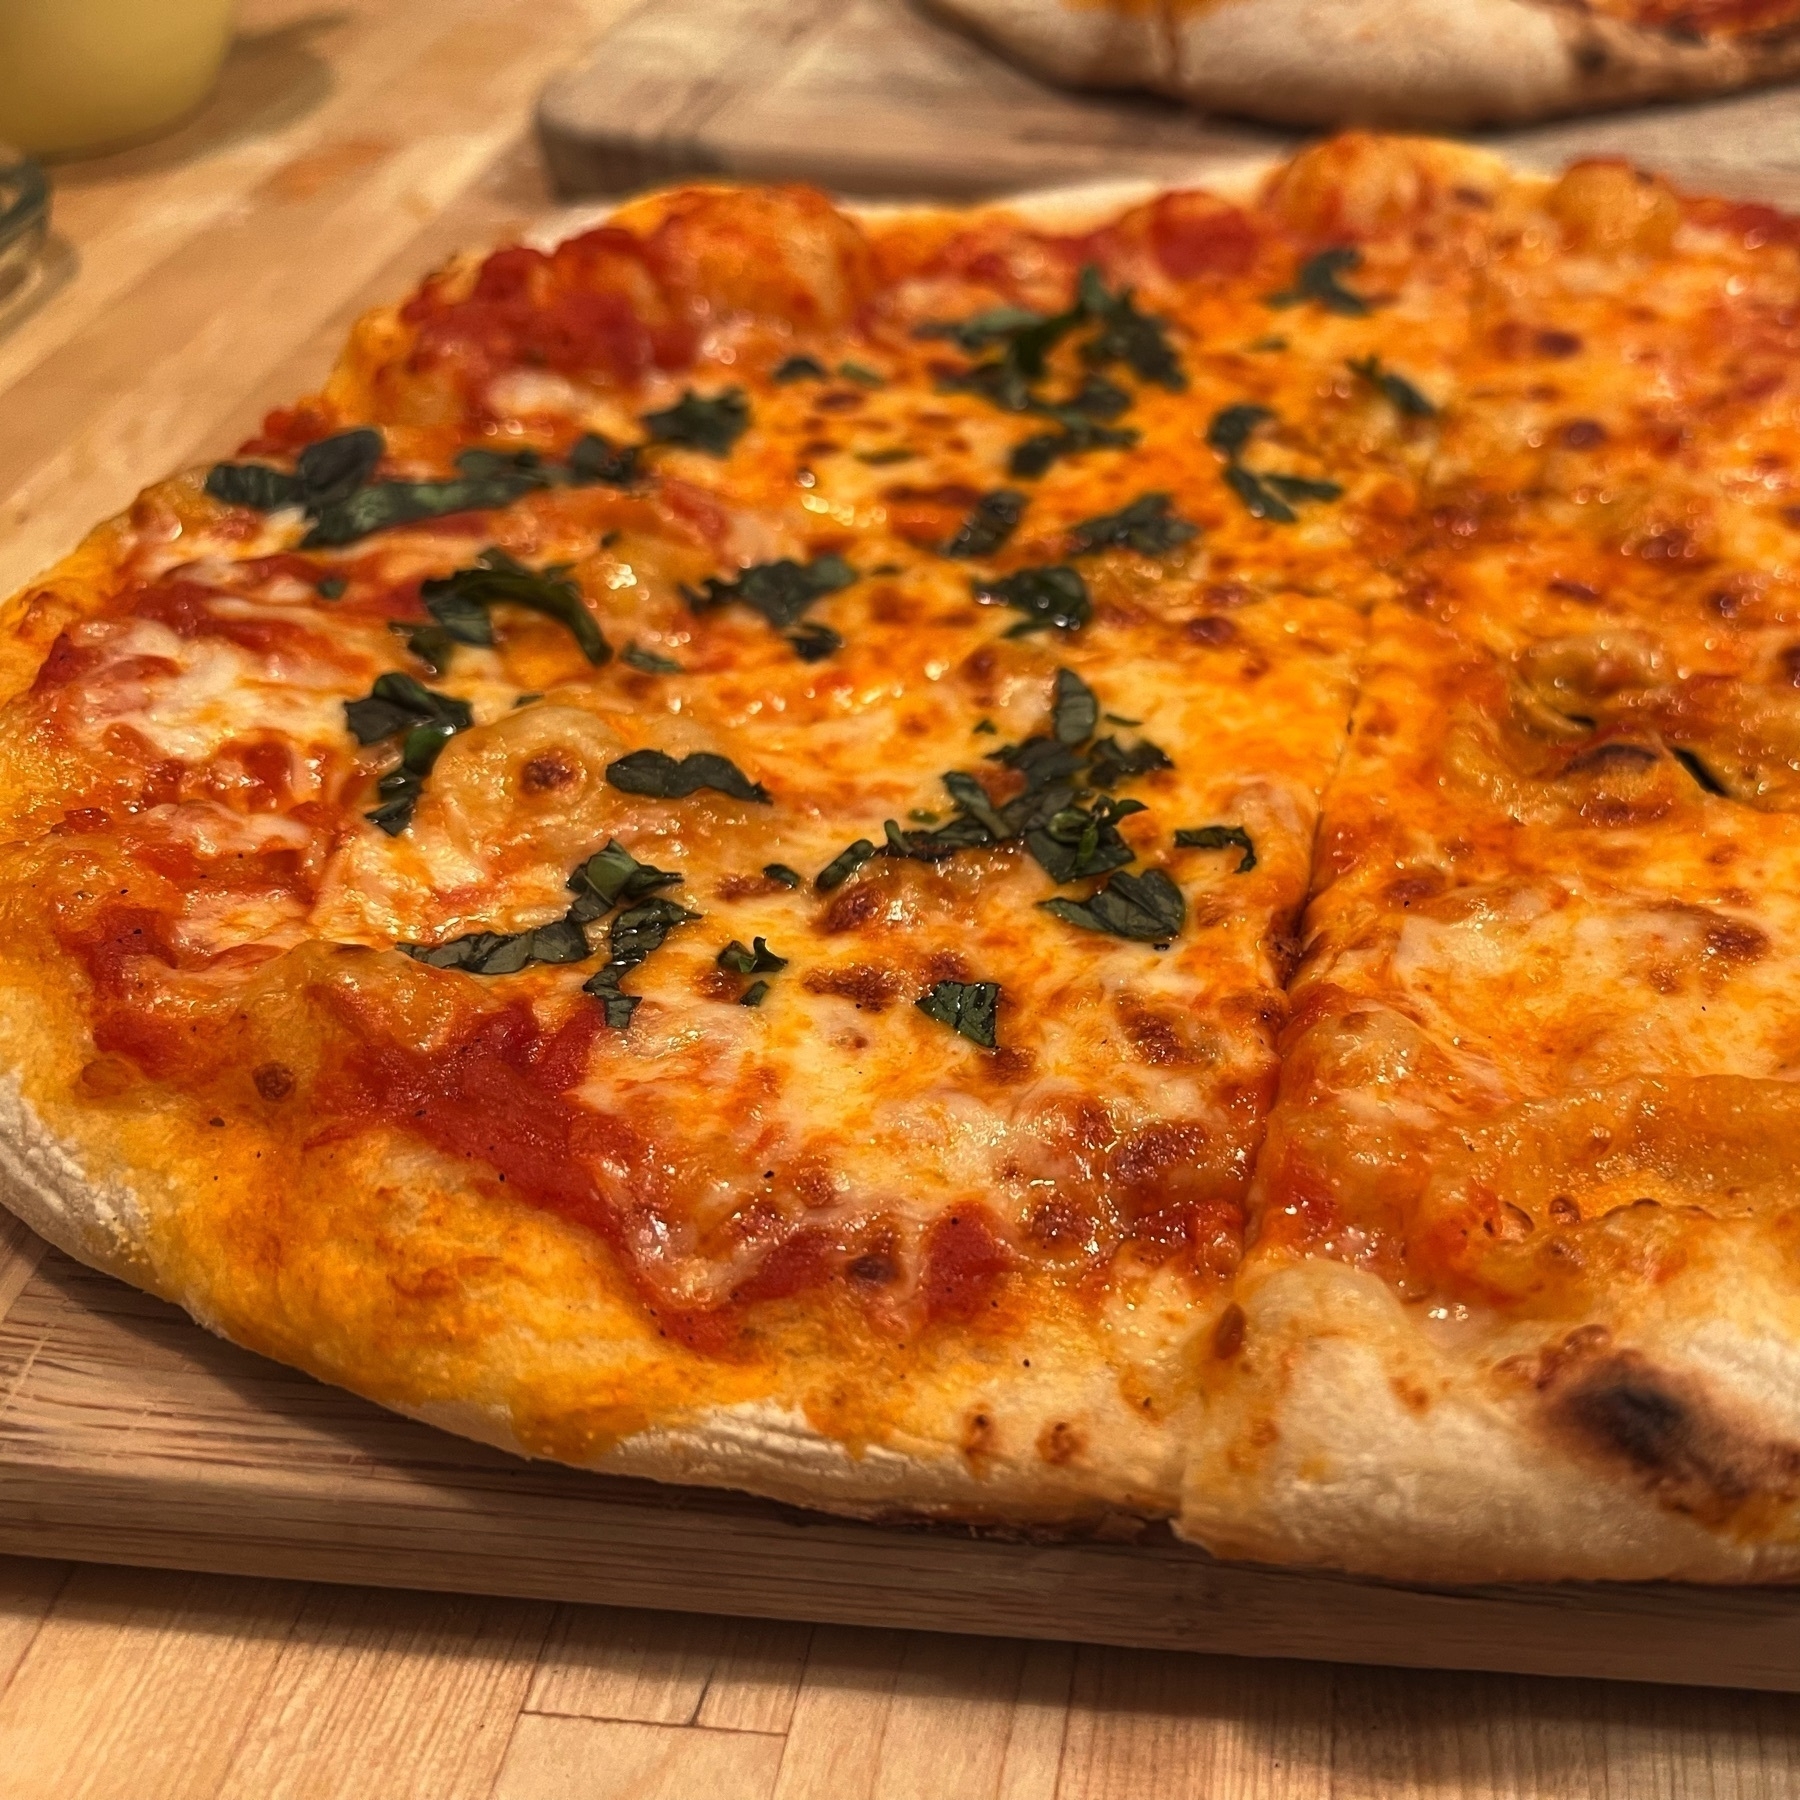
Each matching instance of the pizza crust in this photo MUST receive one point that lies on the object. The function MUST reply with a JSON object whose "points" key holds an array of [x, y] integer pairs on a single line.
{"points": [[763, 1446], [1444, 63], [1354, 1441]]}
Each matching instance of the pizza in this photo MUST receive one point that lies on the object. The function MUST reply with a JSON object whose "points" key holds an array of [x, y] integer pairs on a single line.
{"points": [[1397, 62], [1065, 867]]}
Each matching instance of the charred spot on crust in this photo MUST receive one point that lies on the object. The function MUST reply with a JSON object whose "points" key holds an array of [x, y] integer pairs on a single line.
{"points": [[1059, 1443], [1228, 1333], [1692, 1454], [978, 1436], [1644, 1423]]}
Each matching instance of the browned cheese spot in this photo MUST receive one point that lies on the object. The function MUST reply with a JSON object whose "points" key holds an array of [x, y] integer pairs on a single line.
{"points": [[866, 987]]}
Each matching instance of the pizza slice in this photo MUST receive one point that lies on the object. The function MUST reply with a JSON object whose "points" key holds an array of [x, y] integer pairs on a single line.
{"points": [[665, 878], [1396, 62], [1526, 1201]]}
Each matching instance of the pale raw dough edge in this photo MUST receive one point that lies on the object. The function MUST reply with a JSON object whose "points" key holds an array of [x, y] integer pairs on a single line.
{"points": [[1446, 63]]}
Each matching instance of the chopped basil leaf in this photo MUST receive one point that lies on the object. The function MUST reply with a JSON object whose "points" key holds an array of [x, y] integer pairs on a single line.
{"points": [[1027, 338], [709, 425], [1317, 281], [1259, 503], [1109, 762], [1146, 525], [1126, 335], [1400, 392], [612, 875], [1078, 841], [1049, 769], [971, 798], [634, 935], [986, 728], [397, 703], [993, 519], [813, 642], [1074, 709], [969, 1008], [255, 485], [1055, 595], [649, 661], [615, 1006], [331, 587], [1219, 837], [1071, 833], [640, 929], [758, 961], [598, 884], [390, 503], [1265, 496], [789, 878], [425, 721], [1096, 398], [882, 459], [1146, 908], [332, 482], [996, 325], [594, 461], [461, 602], [842, 866], [781, 591], [658, 774], [862, 374], [1268, 343], [1232, 426], [334, 468], [1303, 487], [966, 833], [755, 994], [1032, 456], [1120, 719], [496, 953], [799, 368]]}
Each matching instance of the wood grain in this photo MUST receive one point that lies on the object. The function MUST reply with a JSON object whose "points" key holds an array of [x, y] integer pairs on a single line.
{"points": [[871, 97], [227, 260]]}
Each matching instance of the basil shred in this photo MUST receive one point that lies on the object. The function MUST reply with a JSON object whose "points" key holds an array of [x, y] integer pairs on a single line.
{"points": [[424, 721], [333, 483], [602, 881]]}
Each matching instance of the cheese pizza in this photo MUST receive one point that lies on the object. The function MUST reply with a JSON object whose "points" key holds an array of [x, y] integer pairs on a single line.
{"points": [[1062, 867], [1398, 62]]}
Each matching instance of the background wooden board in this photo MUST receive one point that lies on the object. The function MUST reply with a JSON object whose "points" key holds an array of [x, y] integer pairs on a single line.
{"points": [[194, 282], [873, 97], [128, 1434]]}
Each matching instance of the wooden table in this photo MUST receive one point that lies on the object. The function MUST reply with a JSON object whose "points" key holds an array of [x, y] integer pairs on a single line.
{"points": [[193, 282]]}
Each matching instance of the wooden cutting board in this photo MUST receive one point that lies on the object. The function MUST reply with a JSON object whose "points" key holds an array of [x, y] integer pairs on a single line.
{"points": [[129, 1435], [873, 97]]}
